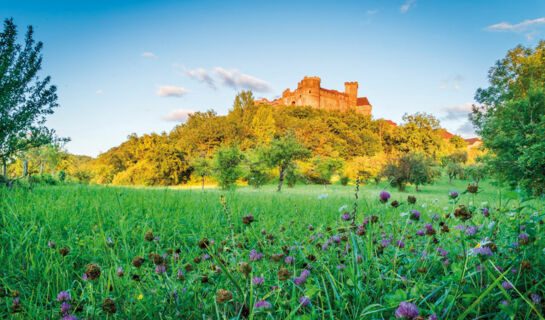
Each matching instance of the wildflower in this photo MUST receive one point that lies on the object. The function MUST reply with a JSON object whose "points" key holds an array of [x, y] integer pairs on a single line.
{"points": [[263, 231], [536, 298], [384, 196], [64, 251], [160, 269], [346, 216], [247, 220], [92, 271], [304, 301], [254, 256], [69, 317], [109, 306], [485, 212], [471, 230], [65, 307], [204, 243], [462, 213], [206, 256], [400, 244], [51, 244], [341, 267], [149, 236], [137, 261], [262, 304], [85, 277], [472, 187], [411, 199], [429, 229], [482, 252], [453, 194], [63, 296], [415, 215], [245, 268], [406, 310], [506, 285], [257, 281], [120, 272], [433, 317], [223, 296], [394, 204], [322, 196], [523, 238], [421, 232], [284, 274], [336, 239], [289, 260]]}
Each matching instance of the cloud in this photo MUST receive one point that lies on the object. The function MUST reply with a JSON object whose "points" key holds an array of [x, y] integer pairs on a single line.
{"points": [[178, 115], [149, 55], [372, 12], [519, 27], [458, 112], [452, 82], [171, 91], [234, 79], [99, 91], [201, 75], [466, 129], [408, 5]]}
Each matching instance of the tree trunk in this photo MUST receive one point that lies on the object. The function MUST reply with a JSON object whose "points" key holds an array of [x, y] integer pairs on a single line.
{"points": [[53, 173], [25, 167], [325, 186], [41, 169], [4, 168], [202, 182], [416, 187], [280, 179]]}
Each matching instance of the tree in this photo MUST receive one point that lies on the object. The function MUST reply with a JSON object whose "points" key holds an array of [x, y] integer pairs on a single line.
{"points": [[226, 165], [282, 152], [454, 170], [323, 168], [413, 168], [25, 99], [256, 170], [511, 118], [476, 171], [459, 157], [202, 168]]}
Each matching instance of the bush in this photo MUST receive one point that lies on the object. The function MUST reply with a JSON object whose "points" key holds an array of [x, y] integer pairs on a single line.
{"points": [[413, 168], [61, 176], [344, 180]]}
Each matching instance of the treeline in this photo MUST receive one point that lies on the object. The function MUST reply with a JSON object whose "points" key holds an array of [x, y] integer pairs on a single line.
{"points": [[349, 144]]}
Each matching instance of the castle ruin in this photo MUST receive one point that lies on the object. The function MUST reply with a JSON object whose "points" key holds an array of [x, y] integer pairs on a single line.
{"points": [[309, 93]]}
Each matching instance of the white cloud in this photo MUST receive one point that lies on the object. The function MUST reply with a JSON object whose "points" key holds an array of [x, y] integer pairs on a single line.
{"points": [[372, 12], [519, 27], [178, 115], [458, 112], [149, 55], [201, 75], [466, 130], [234, 79], [407, 5], [99, 91], [171, 91]]}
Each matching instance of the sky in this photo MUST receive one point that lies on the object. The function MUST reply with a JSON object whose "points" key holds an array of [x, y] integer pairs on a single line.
{"points": [[124, 67]]}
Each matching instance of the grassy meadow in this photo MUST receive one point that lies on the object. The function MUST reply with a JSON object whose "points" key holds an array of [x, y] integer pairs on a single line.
{"points": [[310, 261]]}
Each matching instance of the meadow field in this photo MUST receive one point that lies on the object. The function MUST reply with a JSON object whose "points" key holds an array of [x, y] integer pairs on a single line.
{"points": [[95, 252]]}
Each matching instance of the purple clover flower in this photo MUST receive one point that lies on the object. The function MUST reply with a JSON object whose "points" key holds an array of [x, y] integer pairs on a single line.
{"points": [[255, 256], [63, 296], [506, 285], [257, 281], [160, 269], [304, 301], [453, 194], [262, 304], [406, 310], [346, 216]]}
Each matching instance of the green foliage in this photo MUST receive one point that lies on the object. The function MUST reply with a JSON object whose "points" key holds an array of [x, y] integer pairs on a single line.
{"points": [[476, 171], [61, 176], [25, 98], [413, 168], [454, 170], [459, 156], [344, 180], [227, 166], [511, 118], [256, 171], [282, 152], [323, 168]]}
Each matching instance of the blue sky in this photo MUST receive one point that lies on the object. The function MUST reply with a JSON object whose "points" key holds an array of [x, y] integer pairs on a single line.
{"points": [[140, 66]]}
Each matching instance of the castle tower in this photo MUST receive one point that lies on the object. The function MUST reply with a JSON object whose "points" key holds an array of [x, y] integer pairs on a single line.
{"points": [[351, 90], [308, 91]]}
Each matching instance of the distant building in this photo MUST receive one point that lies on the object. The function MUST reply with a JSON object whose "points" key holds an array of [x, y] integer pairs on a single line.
{"points": [[474, 142], [309, 93]]}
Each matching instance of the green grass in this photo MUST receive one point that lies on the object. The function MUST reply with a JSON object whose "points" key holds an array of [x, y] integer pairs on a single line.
{"points": [[371, 286]]}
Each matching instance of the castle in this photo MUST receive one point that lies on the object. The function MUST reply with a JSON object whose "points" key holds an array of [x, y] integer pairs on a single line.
{"points": [[309, 93]]}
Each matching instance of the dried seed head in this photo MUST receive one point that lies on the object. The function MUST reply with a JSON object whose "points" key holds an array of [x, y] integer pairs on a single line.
{"points": [[92, 271], [138, 261]]}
